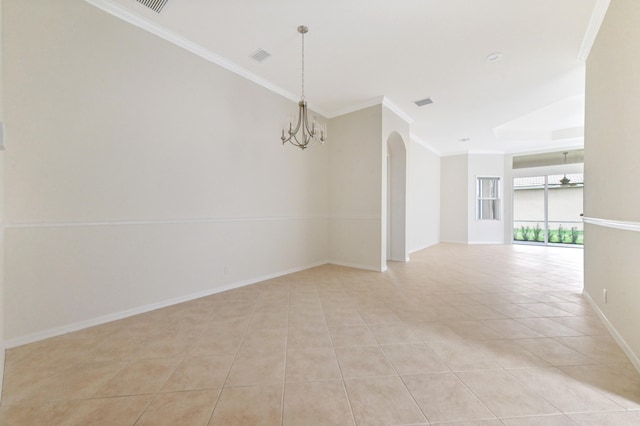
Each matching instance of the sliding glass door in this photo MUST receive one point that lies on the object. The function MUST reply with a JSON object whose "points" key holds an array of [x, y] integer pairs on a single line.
{"points": [[546, 209]]}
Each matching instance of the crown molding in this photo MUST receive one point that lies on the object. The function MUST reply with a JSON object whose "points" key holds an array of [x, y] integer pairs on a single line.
{"points": [[380, 100], [396, 110], [597, 16], [425, 144]]}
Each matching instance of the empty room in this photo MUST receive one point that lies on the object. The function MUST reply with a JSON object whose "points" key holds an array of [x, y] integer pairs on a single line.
{"points": [[319, 213]]}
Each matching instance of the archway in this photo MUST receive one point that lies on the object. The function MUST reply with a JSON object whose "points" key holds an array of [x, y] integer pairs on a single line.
{"points": [[396, 199]]}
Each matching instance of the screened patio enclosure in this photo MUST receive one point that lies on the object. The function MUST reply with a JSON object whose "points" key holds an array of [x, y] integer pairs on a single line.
{"points": [[547, 210]]}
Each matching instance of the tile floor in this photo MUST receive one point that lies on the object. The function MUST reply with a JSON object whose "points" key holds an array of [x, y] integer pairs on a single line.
{"points": [[463, 335]]}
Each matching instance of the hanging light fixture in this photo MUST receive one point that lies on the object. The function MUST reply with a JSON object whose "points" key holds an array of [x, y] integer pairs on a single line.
{"points": [[308, 132], [565, 181]]}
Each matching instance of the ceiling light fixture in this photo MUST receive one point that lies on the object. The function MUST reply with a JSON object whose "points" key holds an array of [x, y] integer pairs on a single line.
{"points": [[314, 132]]}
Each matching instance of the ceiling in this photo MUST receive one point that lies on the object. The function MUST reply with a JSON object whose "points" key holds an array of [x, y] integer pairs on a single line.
{"points": [[358, 52]]}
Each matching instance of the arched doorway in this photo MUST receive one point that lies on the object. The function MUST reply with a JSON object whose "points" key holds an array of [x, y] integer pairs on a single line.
{"points": [[396, 199]]}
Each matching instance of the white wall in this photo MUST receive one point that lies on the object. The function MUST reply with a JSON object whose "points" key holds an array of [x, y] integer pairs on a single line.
{"points": [[611, 173], [484, 231], [423, 204], [458, 176], [1, 219], [139, 174], [454, 202], [355, 158]]}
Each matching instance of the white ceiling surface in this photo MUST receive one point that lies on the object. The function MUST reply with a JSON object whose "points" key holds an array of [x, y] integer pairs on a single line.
{"points": [[358, 51]]}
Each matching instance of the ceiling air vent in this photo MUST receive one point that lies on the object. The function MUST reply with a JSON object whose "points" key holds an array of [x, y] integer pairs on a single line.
{"points": [[155, 5], [260, 55], [423, 102]]}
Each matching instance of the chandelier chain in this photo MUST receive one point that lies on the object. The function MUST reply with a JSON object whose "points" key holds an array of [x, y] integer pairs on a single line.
{"points": [[302, 66]]}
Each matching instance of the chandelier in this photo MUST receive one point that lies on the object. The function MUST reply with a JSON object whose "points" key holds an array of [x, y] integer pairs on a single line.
{"points": [[308, 132]]}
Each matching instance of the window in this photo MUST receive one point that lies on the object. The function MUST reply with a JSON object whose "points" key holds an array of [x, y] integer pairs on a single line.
{"points": [[488, 194]]}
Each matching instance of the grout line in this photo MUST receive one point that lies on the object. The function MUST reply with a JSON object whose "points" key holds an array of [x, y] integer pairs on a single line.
{"points": [[235, 357]]}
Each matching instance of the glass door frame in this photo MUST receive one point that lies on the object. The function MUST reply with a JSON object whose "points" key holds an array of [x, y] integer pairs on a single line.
{"points": [[545, 220]]}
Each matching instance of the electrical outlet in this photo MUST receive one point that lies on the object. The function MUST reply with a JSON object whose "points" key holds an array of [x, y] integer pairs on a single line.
{"points": [[226, 270], [604, 295]]}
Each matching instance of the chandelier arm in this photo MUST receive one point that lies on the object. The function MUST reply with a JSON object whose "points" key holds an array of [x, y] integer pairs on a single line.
{"points": [[301, 108]]}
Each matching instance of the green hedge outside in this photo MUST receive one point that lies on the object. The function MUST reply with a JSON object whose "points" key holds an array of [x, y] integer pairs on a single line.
{"points": [[560, 235]]}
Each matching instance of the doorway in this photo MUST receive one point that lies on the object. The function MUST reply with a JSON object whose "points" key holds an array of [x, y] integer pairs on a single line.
{"points": [[396, 199], [547, 210]]}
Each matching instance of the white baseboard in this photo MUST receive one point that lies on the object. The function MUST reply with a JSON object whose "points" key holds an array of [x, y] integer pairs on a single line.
{"points": [[58, 331], [614, 333], [453, 242], [358, 266], [415, 250]]}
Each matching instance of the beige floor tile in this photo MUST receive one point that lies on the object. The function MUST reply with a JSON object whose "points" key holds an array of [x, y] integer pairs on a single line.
{"points": [[77, 381], [504, 395], [363, 361], [588, 326], [218, 341], [382, 401], [414, 358], [309, 336], [574, 308], [548, 327], [473, 423], [553, 420], [264, 340], [345, 317], [34, 415], [511, 329], [481, 312], [393, 333], [123, 410], [473, 330], [180, 408], [499, 303], [567, 394], [460, 354], [509, 354], [352, 336], [119, 346], [546, 310], [379, 316], [257, 368], [277, 318], [444, 398], [554, 352], [316, 403], [433, 331], [312, 364], [627, 418], [601, 349], [510, 310], [200, 372], [168, 344], [619, 382], [249, 406], [139, 377]]}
